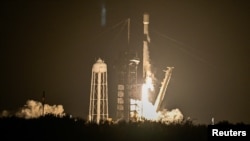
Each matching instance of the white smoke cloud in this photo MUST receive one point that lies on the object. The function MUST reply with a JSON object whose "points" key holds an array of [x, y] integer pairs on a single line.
{"points": [[34, 109], [173, 116]]}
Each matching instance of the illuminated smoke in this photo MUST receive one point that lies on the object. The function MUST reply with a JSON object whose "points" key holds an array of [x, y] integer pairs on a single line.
{"points": [[173, 116], [149, 111], [34, 109]]}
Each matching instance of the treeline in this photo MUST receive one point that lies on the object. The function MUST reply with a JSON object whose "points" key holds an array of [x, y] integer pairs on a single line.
{"points": [[65, 128]]}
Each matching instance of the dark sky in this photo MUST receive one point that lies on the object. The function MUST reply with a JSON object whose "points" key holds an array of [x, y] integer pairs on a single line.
{"points": [[51, 46]]}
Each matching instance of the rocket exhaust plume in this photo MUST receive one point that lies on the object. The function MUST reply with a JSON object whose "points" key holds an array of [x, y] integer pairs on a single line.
{"points": [[153, 112]]}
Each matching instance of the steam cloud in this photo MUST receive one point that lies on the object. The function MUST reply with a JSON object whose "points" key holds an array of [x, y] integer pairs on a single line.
{"points": [[173, 116], [34, 109]]}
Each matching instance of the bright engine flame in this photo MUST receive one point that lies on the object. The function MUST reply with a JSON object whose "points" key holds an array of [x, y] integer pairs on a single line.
{"points": [[149, 110]]}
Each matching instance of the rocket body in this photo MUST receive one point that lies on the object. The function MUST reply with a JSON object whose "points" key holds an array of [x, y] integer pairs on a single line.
{"points": [[146, 41]]}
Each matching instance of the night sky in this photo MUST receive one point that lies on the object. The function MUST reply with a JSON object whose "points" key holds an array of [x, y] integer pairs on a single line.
{"points": [[51, 46]]}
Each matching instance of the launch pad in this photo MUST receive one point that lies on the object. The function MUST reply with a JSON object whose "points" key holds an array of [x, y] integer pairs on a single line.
{"points": [[132, 97], [133, 91]]}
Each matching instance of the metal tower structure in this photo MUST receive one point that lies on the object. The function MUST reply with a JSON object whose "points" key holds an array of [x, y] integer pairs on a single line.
{"points": [[129, 94], [127, 82], [98, 107], [133, 90], [163, 88], [128, 89]]}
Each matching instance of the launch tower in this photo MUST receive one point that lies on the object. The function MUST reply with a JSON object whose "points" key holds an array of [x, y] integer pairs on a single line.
{"points": [[129, 93]]}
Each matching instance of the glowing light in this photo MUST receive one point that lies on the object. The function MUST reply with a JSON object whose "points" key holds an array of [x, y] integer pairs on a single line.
{"points": [[148, 110]]}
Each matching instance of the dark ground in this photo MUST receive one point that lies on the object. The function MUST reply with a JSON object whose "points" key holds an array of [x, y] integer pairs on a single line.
{"points": [[66, 128]]}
